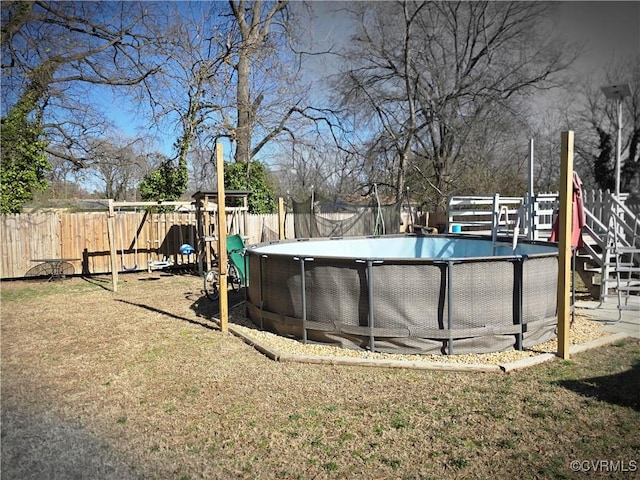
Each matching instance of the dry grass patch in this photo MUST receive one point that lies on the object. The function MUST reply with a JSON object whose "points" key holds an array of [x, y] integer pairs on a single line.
{"points": [[162, 393]]}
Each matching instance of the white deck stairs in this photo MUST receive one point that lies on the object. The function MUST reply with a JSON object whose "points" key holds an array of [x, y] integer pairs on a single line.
{"points": [[609, 263], [625, 268]]}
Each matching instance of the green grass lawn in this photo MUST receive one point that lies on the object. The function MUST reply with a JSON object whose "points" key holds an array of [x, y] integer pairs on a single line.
{"points": [[146, 376]]}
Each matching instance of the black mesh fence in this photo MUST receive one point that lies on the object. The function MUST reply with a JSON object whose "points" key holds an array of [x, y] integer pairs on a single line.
{"points": [[314, 218]]}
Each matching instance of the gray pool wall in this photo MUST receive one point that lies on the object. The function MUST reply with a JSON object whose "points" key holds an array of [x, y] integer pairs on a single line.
{"points": [[407, 294]]}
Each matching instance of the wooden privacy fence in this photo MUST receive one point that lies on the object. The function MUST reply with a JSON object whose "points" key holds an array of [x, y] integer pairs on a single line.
{"points": [[26, 237], [140, 237]]}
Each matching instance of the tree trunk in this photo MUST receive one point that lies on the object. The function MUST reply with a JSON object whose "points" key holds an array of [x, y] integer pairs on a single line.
{"points": [[244, 124]]}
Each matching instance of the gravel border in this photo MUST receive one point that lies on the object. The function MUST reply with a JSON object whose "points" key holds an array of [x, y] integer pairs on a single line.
{"points": [[586, 334]]}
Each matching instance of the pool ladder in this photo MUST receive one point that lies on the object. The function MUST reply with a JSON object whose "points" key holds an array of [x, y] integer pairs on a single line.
{"points": [[495, 230]]}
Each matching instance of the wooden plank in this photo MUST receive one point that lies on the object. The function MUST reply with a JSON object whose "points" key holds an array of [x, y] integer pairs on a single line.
{"points": [[99, 263], [5, 244], [152, 204], [112, 250], [223, 301], [527, 362], [564, 245], [281, 217], [97, 244], [372, 362]]}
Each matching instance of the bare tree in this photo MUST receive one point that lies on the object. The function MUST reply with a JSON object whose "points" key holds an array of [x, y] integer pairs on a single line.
{"points": [[189, 96], [254, 22], [271, 99], [428, 78], [547, 154], [230, 72], [54, 50], [596, 118], [117, 167], [320, 167]]}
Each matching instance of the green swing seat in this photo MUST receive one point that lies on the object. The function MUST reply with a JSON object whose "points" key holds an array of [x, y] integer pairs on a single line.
{"points": [[235, 251]]}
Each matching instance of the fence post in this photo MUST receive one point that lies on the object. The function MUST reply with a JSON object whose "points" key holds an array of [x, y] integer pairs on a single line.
{"points": [[112, 246], [531, 194], [564, 245], [281, 217], [222, 243]]}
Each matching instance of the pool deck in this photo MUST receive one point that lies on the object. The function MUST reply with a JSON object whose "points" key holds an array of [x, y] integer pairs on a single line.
{"points": [[607, 313]]}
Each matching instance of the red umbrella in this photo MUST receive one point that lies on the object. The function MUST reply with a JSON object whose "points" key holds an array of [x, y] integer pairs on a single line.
{"points": [[579, 218]]}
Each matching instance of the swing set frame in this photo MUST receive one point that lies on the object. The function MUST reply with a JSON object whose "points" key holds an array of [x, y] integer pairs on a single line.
{"points": [[118, 228], [205, 207], [122, 220]]}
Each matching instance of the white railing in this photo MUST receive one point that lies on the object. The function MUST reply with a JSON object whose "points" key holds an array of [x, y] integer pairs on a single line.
{"points": [[483, 214], [500, 215], [486, 213], [545, 206]]}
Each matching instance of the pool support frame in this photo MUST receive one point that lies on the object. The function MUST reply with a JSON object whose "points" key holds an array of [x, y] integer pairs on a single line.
{"points": [[310, 327]]}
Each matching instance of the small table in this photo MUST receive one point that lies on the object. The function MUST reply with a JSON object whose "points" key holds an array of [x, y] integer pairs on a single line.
{"points": [[56, 268]]}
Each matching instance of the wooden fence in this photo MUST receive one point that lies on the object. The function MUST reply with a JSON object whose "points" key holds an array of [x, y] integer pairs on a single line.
{"points": [[83, 239], [143, 237]]}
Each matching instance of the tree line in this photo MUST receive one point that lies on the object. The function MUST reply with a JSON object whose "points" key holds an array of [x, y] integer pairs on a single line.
{"points": [[431, 98]]}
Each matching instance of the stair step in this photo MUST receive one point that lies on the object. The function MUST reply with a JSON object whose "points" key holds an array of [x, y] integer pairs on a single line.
{"points": [[629, 288], [626, 269], [626, 250], [633, 308], [621, 264], [593, 269], [588, 258]]}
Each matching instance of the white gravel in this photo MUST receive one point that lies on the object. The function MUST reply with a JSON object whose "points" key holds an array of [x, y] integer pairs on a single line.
{"points": [[582, 331]]}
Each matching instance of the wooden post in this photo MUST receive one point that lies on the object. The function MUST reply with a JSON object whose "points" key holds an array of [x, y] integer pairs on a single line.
{"points": [[281, 217], [200, 241], [112, 246], [222, 242], [564, 243], [245, 215], [207, 231], [530, 207]]}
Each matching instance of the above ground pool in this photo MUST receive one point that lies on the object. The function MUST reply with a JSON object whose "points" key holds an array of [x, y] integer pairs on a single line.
{"points": [[410, 294]]}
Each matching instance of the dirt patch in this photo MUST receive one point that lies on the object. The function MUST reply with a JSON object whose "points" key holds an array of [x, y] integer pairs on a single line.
{"points": [[145, 382]]}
